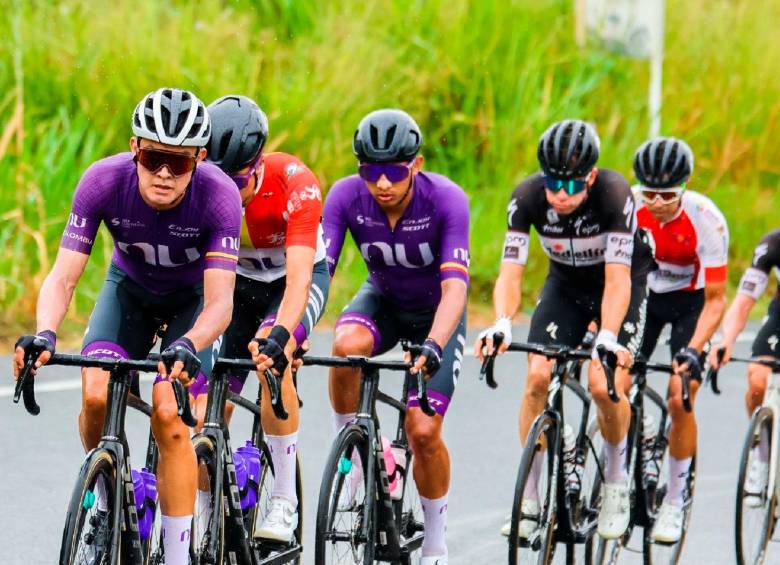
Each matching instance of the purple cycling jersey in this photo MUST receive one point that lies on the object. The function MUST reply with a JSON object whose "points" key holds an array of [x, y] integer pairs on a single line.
{"points": [[162, 251], [430, 242]]}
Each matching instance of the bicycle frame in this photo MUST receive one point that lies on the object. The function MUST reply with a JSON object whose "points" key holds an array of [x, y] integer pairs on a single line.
{"points": [[772, 401]]}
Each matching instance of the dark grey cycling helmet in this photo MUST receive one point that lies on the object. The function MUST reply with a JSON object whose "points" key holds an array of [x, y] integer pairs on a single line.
{"points": [[172, 116], [239, 130], [663, 162], [568, 149], [387, 136]]}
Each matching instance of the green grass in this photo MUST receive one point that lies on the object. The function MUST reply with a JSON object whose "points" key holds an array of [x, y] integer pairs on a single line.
{"points": [[483, 79]]}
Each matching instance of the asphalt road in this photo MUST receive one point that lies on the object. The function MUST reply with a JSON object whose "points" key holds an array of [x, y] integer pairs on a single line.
{"points": [[41, 456]]}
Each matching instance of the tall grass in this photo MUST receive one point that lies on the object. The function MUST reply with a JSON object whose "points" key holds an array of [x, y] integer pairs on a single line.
{"points": [[483, 79]]}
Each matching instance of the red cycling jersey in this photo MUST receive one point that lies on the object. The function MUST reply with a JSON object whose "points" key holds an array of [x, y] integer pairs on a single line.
{"points": [[691, 249], [286, 210]]}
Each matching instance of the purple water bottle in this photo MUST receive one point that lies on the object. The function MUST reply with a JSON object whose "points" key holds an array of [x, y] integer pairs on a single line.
{"points": [[247, 462], [145, 490]]}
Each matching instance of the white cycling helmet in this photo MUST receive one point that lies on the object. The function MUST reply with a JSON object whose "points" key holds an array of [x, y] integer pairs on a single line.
{"points": [[172, 116]]}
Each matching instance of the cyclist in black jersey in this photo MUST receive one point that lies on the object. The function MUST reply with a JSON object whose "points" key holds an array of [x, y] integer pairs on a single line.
{"points": [[766, 258], [586, 222]]}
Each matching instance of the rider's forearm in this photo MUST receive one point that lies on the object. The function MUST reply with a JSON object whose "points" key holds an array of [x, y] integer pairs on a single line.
{"points": [[616, 298], [53, 301], [450, 310], [736, 317], [710, 317], [507, 295], [296, 296], [217, 308]]}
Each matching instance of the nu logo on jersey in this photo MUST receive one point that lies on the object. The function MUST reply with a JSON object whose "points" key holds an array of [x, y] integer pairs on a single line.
{"points": [[397, 254], [76, 221], [160, 254]]}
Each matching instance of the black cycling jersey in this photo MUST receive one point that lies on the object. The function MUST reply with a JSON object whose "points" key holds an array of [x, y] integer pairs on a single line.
{"points": [[602, 230], [766, 256]]}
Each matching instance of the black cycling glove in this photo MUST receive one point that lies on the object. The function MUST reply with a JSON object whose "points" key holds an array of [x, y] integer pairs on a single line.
{"points": [[690, 356], [432, 352], [182, 350], [273, 347], [34, 345]]}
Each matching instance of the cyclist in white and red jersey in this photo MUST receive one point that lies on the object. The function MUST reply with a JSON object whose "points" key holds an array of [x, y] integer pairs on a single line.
{"points": [[688, 291], [175, 223], [281, 285]]}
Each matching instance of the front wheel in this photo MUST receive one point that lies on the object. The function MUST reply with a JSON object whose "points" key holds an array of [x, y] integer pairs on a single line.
{"points": [[346, 525], [534, 504], [756, 500], [90, 531]]}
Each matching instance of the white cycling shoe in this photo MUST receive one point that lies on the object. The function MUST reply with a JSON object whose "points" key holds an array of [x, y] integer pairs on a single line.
{"points": [[280, 522], [615, 510], [434, 560], [668, 524], [755, 484], [526, 528]]}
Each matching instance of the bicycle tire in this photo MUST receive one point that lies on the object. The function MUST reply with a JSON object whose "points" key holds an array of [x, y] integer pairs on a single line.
{"points": [[208, 539], [543, 430], [410, 519], [337, 468], [99, 463], [762, 419]]}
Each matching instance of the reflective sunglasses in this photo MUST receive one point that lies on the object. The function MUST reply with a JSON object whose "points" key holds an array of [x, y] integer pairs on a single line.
{"points": [[242, 180], [667, 196], [395, 172], [155, 159], [571, 186]]}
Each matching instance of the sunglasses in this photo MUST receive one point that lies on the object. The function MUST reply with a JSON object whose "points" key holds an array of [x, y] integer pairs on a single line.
{"points": [[667, 196], [154, 159], [242, 180], [395, 172], [571, 186]]}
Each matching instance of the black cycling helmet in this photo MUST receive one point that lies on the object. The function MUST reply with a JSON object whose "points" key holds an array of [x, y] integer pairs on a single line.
{"points": [[239, 129], [387, 136], [663, 162], [568, 149], [172, 116]]}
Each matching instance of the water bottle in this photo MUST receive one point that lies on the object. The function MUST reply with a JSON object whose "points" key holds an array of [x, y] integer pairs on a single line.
{"points": [[651, 467], [389, 465], [246, 460], [399, 456], [571, 470], [145, 490]]}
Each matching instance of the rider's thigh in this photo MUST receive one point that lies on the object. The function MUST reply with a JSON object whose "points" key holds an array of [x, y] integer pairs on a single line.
{"points": [[675, 401], [352, 339], [539, 371], [94, 389]]}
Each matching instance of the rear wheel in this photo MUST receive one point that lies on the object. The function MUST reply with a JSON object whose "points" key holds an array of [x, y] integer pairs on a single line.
{"points": [[539, 463], [89, 530], [756, 499], [346, 524], [208, 526]]}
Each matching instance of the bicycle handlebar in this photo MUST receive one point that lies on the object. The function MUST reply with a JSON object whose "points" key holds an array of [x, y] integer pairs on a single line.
{"points": [[25, 385], [712, 373], [274, 382]]}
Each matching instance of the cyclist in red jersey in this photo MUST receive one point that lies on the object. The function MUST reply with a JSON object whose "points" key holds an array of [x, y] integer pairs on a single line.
{"points": [[688, 291], [282, 280]]}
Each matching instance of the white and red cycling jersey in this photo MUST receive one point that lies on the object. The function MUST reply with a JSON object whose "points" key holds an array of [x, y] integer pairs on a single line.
{"points": [[691, 249], [286, 210]]}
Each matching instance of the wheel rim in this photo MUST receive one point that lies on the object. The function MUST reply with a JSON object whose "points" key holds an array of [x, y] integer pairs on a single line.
{"points": [[96, 527]]}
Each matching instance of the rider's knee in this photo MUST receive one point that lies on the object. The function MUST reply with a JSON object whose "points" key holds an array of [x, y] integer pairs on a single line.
{"points": [[423, 435], [537, 383], [757, 382], [351, 339], [94, 394], [167, 427]]}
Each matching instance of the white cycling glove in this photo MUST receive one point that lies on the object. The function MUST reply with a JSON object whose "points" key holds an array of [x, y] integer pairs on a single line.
{"points": [[501, 325], [609, 341]]}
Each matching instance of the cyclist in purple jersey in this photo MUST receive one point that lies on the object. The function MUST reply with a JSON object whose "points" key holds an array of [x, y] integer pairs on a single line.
{"points": [[412, 231], [175, 223]]}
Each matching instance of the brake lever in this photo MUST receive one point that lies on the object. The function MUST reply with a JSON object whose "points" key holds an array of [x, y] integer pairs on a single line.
{"points": [[686, 390], [486, 371], [275, 392], [608, 360], [25, 387], [712, 373], [183, 404], [422, 395]]}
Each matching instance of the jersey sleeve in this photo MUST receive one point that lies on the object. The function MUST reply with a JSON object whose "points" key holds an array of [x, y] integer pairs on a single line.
{"points": [[304, 206], [766, 256], [619, 220], [334, 225], [454, 250], [223, 240], [713, 247], [518, 219], [86, 212]]}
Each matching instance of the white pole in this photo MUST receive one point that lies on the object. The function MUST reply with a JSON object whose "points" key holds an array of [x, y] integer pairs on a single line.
{"points": [[656, 73]]}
